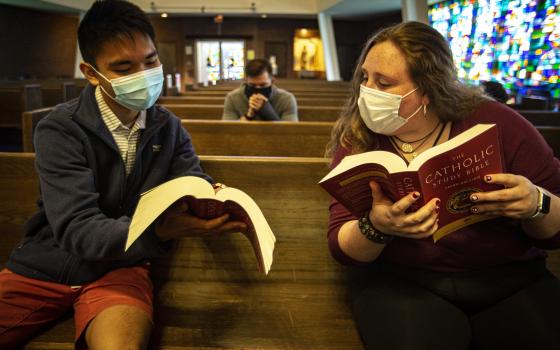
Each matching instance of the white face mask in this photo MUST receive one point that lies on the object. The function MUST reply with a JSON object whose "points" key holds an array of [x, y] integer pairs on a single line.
{"points": [[380, 110], [137, 91]]}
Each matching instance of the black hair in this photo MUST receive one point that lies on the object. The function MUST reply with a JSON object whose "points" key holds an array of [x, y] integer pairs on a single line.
{"points": [[108, 20], [495, 90], [257, 67]]}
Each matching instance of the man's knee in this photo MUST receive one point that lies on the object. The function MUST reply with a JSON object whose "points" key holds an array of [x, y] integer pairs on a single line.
{"points": [[119, 327]]}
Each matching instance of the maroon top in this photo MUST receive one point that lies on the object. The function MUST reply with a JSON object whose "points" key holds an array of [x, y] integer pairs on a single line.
{"points": [[487, 243]]}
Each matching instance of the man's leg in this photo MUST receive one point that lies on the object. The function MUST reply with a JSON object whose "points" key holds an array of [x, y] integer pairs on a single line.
{"points": [[119, 327], [27, 305], [115, 312]]}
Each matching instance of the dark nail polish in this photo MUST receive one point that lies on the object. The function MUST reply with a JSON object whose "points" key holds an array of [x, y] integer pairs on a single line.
{"points": [[415, 195], [436, 210], [474, 210], [488, 178], [438, 202]]}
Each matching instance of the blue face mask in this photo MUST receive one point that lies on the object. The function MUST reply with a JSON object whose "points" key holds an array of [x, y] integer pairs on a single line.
{"points": [[138, 91]]}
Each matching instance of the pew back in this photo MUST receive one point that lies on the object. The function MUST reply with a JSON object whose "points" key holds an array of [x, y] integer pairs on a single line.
{"points": [[220, 100], [200, 111], [16, 98], [288, 139], [29, 121], [544, 118], [297, 94], [279, 139], [209, 292]]}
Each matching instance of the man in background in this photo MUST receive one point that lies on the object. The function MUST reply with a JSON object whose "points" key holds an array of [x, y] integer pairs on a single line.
{"points": [[258, 98]]}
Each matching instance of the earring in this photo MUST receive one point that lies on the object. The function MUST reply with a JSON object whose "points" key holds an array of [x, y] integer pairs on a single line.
{"points": [[425, 110]]}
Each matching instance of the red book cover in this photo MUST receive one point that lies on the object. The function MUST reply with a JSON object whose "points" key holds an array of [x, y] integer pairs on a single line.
{"points": [[450, 171], [205, 203]]}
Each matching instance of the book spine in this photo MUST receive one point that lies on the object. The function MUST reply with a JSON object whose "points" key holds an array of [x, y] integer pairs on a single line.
{"points": [[405, 183]]}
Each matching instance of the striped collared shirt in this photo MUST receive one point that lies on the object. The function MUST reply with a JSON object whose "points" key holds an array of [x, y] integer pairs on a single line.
{"points": [[126, 137]]}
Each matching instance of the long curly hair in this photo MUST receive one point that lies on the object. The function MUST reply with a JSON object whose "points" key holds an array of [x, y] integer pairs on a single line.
{"points": [[430, 65]]}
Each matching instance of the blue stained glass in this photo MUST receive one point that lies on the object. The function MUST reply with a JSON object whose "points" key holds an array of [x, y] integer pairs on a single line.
{"points": [[514, 42]]}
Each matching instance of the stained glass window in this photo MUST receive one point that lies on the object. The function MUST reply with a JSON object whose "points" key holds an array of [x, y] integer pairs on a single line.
{"points": [[514, 42]]}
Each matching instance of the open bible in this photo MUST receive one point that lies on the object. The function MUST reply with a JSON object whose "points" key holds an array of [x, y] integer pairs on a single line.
{"points": [[450, 171], [204, 203]]}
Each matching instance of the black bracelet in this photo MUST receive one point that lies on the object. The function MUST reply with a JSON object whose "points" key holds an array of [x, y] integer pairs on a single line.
{"points": [[367, 229]]}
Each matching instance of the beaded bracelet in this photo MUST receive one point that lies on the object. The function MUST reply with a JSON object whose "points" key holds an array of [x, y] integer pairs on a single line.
{"points": [[367, 229]]}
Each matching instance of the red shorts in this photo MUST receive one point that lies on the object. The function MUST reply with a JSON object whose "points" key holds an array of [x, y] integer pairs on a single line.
{"points": [[27, 305]]}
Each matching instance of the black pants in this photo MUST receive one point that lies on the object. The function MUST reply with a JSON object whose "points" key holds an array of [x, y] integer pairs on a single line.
{"points": [[508, 307]]}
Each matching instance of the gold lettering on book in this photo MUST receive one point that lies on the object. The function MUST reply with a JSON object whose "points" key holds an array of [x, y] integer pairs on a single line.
{"points": [[467, 165]]}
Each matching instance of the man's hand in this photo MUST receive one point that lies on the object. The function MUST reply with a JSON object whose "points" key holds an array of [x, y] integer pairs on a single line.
{"points": [[257, 101], [177, 222]]}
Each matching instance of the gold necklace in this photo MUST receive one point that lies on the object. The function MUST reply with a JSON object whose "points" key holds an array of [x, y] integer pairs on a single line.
{"points": [[406, 147], [413, 151]]}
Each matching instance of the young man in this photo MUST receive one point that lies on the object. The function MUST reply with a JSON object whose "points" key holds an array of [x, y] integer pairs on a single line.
{"points": [[258, 98], [95, 155]]}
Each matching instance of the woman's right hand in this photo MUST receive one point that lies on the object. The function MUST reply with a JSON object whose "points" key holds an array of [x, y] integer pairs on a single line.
{"points": [[392, 219]]}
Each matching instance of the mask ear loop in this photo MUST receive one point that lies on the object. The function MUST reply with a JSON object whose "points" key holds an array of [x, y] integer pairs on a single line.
{"points": [[102, 88]]}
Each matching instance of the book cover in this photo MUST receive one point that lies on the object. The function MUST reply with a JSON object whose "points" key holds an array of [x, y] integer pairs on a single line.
{"points": [[450, 171], [204, 203]]}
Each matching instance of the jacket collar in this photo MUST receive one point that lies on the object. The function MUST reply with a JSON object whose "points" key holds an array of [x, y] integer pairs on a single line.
{"points": [[88, 115]]}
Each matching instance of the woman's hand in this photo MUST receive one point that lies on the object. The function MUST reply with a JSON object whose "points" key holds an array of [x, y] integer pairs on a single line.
{"points": [[518, 200], [391, 218], [177, 222]]}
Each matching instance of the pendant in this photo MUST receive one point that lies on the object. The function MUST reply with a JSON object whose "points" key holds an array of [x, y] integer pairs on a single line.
{"points": [[407, 147]]}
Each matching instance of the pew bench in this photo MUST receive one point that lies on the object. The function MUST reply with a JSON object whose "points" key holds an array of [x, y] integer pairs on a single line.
{"points": [[285, 139], [15, 98], [213, 112], [297, 94], [233, 138], [538, 117], [220, 100], [209, 292], [279, 139]]}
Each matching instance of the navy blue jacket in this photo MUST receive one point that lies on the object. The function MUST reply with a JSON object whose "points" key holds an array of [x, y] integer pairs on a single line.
{"points": [[86, 199]]}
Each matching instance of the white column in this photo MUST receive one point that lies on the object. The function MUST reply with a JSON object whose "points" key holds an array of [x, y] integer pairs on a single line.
{"points": [[329, 44], [415, 10], [79, 59]]}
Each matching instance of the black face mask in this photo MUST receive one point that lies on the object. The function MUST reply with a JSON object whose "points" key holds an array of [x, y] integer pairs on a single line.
{"points": [[251, 90]]}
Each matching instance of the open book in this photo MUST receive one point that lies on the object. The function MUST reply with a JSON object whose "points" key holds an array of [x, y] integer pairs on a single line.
{"points": [[450, 171], [203, 202]]}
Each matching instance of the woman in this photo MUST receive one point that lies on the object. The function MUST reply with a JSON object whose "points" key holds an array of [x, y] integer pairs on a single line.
{"points": [[484, 286]]}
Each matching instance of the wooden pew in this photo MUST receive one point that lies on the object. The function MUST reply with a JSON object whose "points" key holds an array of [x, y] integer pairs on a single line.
{"points": [[220, 100], [217, 137], [232, 138], [199, 111], [15, 98], [209, 293], [552, 136], [538, 117], [29, 120], [297, 94], [58, 91], [290, 87], [279, 139]]}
